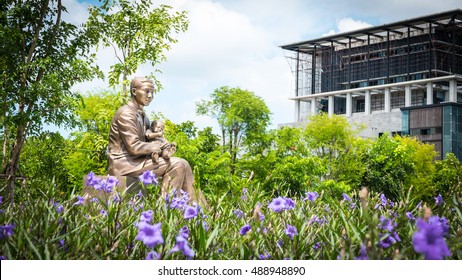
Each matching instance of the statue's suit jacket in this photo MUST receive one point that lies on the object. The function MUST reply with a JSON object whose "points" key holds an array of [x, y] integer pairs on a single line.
{"points": [[128, 151]]}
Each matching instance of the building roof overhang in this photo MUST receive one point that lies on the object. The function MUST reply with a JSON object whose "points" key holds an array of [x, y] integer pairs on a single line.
{"points": [[452, 17]]}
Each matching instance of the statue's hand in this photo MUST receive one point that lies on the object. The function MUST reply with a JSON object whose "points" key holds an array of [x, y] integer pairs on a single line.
{"points": [[165, 145]]}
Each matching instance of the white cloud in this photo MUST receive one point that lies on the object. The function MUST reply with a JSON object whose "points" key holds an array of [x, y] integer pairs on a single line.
{"points": [[348, 24]]}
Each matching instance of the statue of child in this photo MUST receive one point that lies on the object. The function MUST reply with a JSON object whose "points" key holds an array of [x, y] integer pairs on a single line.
{"points": [[156, 133]]}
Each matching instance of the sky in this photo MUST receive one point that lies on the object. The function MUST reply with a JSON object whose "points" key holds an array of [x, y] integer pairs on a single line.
{"points": [[237, 43]]}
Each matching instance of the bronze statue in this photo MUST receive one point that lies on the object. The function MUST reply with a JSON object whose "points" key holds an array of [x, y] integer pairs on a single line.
{"points": [[129, 154], [156, 133]]}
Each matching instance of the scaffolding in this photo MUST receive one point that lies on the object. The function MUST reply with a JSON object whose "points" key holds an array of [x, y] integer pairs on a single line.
{"points": [[415, 49]]}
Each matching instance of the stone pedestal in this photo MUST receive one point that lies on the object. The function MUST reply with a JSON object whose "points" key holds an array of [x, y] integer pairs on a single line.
{"points": [[126, 184]]}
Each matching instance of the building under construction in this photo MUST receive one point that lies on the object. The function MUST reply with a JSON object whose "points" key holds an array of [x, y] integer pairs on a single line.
{"points": [[404, 77]]}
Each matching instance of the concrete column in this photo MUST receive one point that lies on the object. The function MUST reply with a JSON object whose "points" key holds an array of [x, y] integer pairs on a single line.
{"points": [[452, 91], [331, 105], [367, 103], [387, 96], [407, 96], [297, 111], [313, 106], [349, 108], [429, 93]]}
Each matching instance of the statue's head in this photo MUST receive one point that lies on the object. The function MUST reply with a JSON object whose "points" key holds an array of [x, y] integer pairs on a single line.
{"points": [[139, 82], [142, 90], [157, 125]]}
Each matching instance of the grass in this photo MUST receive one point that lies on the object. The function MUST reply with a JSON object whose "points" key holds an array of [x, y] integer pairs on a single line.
{"points": [[323, 228]]}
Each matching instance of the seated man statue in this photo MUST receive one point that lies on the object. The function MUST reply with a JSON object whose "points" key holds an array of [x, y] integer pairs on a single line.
{"points": [[129, 154]]}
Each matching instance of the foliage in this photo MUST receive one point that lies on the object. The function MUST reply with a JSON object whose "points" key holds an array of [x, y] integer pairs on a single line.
{"points": [[423, 158], [202, 151], [447, 176], [43, 158], [42, 57], [96, 109], [337, 145], [249, 226], [137, 32], [388, 164], [242, 116], [395, 165], [86, 150], [332, 189]]}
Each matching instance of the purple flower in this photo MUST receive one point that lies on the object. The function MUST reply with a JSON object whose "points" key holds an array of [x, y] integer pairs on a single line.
{"points": [[277, 204], [346, 197], [279, 243], [410, 217], [59, 208], [386, 224], [80, 200], [111, 183], [146, 216], [438, 200], [205, 226], [239, 213], [291, 231], [383, 202], [429, 240], [311, 196], [363, 253], [317, 246], [151, 235], [179, 202], [139, 194], [444, 225], [389, 236], [6, 230], [281, 203], [148, 177], [117, 198], [316, 219], [183, 246], [261, 217], [290, 204], [264, 256], [92, 180], [244, 194], [245, 229], [1, 199], [103, 212], [184, 231], [152, 256], [190, 212]]}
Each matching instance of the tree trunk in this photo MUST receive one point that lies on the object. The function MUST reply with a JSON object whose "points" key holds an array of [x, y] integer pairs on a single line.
{"points": [[223, 140], [5, 141], [13, 164]]}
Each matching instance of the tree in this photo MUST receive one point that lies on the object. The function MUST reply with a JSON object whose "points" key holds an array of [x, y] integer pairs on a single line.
{"points": [[41, 57], [87, 147], [336, 143], [388, 165], [241, 115], [447, 177], [136, 32], [42, 157]]}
